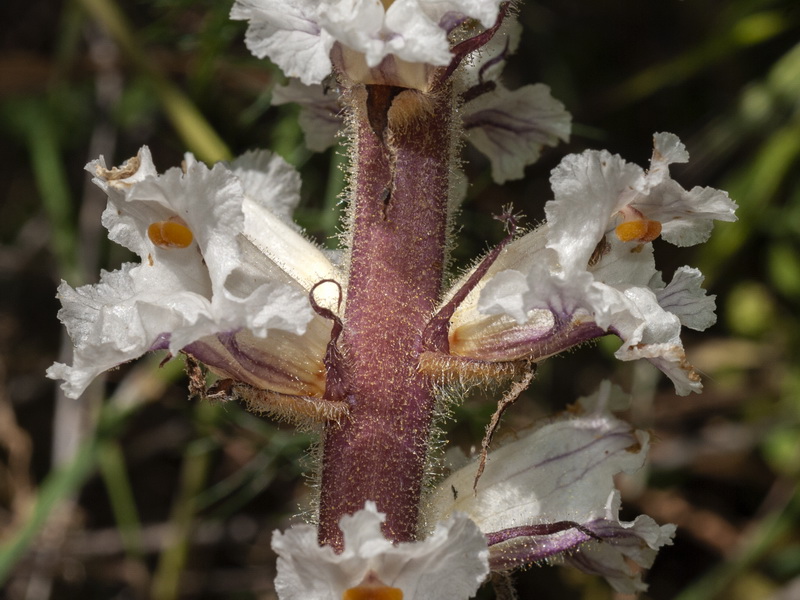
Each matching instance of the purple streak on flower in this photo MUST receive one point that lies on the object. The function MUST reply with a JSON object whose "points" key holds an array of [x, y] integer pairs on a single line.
{"points": [[320, 115], [450, 20], [530, 544], [160, 343], [509, 127], [587, 547], [551, 492]]}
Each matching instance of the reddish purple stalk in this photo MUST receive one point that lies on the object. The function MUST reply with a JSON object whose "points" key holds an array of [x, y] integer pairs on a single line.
{"points": [[400, 192]]}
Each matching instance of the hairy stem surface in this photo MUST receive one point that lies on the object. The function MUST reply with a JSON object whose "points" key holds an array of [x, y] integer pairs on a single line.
{"points": [[400, 191]]}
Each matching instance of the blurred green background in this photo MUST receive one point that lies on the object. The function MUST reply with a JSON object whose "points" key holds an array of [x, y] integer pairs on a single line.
{"points": [[136, 492]]}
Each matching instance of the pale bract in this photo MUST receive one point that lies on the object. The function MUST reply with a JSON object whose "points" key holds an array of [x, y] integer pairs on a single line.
{"points": [[392, 43], [450, 564], [224, 275], [550, 494], [590, 270]]}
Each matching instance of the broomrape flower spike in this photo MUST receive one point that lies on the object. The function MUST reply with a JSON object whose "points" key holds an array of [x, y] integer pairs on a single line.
{"points": [[367, 343]]}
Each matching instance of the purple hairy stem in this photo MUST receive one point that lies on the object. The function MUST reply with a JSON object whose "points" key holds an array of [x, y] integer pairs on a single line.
{"points": [[400, 189]]}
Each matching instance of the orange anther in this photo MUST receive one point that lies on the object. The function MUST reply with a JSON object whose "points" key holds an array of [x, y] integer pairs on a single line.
{"points": [[641, 230], [170, 234], [372, 591]]}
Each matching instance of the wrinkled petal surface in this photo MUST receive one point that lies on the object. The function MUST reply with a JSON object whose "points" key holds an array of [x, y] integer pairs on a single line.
{"points": [[299, 36], [449, 564], [509, 127], [320, 113], [594, 279], [541, 494], [512, 127], [200, 274], [289, 34]]}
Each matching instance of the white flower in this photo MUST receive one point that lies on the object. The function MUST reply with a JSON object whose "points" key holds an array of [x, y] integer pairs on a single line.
{"points": [[550, 494], [450, 564], [391, 42], [512, 127], [321, 115], [590, 269], [509, 127], [224, 276]]}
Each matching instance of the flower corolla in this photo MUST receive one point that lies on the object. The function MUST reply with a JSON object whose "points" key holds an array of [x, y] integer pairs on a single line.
{"points": [[589, 270], [388, 42], [509, 127], [550, 494], [450, 564], [224, 276]]}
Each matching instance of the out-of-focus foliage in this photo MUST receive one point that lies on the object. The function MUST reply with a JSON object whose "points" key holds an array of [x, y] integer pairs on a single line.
{"points": [[135, 492]]}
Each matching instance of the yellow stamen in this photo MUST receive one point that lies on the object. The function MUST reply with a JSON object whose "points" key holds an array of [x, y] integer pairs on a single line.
{"points": [[170, 234], [641, 230]]}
